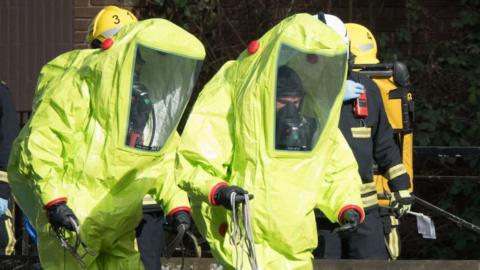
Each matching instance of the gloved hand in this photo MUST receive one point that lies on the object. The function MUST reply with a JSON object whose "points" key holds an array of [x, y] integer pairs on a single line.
{"points": [[59, 216], [352, 90], [222, 195], [401, 202], [349, 223], [3, 206], [182, 217]]}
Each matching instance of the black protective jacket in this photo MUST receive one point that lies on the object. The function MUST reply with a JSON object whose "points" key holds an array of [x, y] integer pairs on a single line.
{"points": [[9, 127], [371, 140]]}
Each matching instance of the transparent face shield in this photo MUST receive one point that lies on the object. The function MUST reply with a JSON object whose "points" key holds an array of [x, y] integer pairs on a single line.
{"points": [[162, 85], [306, 88]]}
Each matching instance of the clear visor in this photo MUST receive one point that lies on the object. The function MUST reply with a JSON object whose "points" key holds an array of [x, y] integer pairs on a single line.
{"points": [[306, 88], [161, 87]]}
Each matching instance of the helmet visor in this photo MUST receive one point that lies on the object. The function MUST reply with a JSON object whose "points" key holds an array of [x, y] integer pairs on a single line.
{"points": [[161, 87], [307, 85]]}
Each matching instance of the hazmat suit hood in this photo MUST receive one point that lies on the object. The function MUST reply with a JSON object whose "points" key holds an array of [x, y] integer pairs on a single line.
{"points": [[55, 70], [236, 116], [318, 62], [80, 143]]}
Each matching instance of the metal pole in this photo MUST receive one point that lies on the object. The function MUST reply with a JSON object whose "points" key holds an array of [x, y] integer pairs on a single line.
{"points": [[459, 221]]}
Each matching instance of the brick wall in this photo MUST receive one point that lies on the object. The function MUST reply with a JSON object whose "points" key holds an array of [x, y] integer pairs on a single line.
{"points": [[32, 33]]}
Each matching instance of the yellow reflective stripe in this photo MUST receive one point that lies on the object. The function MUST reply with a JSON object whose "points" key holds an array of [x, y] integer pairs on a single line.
{"points": [[370, 200], [361, 132], [11, 238], [368, 187], [394, 243], [395, 171], [149, 200], [10, 248], [3, 176], [394, 221]]}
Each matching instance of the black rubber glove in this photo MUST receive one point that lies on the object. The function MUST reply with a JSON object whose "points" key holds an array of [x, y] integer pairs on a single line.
{"points": [[349, 223], [182, 217], [222, 195], [59, 216]]}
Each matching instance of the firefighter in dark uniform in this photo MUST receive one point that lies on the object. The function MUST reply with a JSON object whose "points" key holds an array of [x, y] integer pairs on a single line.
{"points": [[371, 140], [370, 137], [9, 127]]}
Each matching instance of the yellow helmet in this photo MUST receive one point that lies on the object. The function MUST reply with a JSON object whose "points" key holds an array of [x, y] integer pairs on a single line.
{"points": [[107, 23], [362, 44]]}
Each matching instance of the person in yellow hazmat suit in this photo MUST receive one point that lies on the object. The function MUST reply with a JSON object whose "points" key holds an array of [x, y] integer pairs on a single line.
{"points": [[101, 136], [267, 123], [150, 233]]}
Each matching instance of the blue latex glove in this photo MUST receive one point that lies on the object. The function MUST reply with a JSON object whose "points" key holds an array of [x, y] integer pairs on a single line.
{"points": [[3, 206], [352, 90]]}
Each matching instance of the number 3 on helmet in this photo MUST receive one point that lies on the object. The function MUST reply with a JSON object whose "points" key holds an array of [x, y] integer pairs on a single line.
{"points": [[107, 23]]}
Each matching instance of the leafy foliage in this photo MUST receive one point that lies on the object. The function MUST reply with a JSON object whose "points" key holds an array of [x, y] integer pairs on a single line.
{"points": [[445, 75], [446, 78]]}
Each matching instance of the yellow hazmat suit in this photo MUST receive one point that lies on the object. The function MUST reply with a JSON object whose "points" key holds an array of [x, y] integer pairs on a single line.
{"points": [[102, 135], [230, 138]]}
